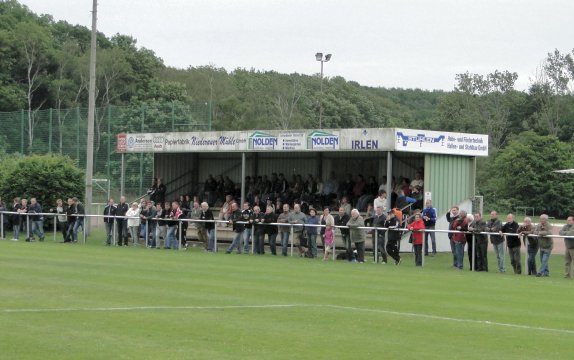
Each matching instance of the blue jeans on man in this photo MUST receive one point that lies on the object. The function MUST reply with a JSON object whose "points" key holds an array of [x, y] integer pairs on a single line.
{"points": [[433, 240], [284, 242], [79, 222], [236, 243], [37, 226], [499, 251], [459, 253], [544, 256], [247, 234], [109, 234], [171, 241], [211, 240]]}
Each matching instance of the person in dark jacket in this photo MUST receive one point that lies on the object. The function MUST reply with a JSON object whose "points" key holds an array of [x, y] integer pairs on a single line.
{"points": [[258, 230], [236, 220], [429, 216], [531, 243], [379, 245], [270, 230], [513, 242], [121, 223], [393, 236], [494, 225], [78, 214], [341, 220], [477, 226], [207, 214], [109, 213], [36, 219], [16, 219]]}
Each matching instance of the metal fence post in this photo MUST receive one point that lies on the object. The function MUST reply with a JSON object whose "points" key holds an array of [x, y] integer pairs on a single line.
{"points": [[27, 226], [473, 259], [292, 240], [179, 223], [114, 230], [1, 225], [214, 236], [55, 227], [376, 247]]}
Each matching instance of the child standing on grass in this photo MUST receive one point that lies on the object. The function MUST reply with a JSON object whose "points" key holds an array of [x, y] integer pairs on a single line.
{"points": [[328, 241]]}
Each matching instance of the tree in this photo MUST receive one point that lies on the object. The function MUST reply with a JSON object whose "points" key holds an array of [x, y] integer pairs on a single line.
{"points": [[523, 174], [45, 177], [33, 43]]}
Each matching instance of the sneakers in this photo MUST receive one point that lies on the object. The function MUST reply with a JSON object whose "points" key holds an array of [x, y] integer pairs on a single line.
{"points": [[398, 262], [14, 239]]}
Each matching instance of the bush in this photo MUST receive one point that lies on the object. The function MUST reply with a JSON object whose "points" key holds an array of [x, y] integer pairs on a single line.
{"points": [[45, 177]]}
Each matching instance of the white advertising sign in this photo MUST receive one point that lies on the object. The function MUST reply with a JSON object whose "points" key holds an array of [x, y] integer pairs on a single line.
{"points": [[439, 142]]}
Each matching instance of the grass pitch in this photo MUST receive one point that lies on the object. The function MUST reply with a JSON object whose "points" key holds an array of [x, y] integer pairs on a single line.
{"points": [[60, 301]]}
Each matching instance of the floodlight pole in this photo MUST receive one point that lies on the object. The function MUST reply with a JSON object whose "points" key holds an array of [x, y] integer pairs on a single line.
{"points": [[91, 116], [319, 57]]}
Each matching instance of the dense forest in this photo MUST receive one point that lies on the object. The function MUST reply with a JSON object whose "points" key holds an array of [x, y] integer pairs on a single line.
{"points": [[44, 64]]}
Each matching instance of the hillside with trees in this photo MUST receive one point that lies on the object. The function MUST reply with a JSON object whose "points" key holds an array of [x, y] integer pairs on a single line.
{"points": [[44, 65]]}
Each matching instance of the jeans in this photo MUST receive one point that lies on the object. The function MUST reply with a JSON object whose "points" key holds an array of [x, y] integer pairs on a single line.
{"points": [[236, 243], [272, 240], [211, 240], [433, 240], [544, 256], [150, 233], [453, 251], [160, 232], [532, 251], [79, 222], [247, 234], [459, 253], [499, 251], [109, 230], [16, 231], [379, 247], [284, 242], [37, 226], [312, 243], [171, 241]]}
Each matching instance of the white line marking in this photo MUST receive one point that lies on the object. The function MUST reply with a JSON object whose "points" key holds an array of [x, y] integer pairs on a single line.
{"points": [[446, 318], [144, 308], [281, 306]]}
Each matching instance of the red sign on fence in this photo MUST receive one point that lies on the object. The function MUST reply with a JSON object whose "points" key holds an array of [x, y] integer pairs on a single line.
{"points": [[122, 143]]}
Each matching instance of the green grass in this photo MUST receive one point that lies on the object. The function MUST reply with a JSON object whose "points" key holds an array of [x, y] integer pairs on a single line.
{"points": [[198, 307]]}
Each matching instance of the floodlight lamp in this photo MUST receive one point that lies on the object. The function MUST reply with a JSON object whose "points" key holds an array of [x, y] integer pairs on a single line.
{"points": [[319, 56], [327, 57]]}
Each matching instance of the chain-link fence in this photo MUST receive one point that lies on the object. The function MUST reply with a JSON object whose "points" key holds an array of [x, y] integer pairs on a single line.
{"points": [[64, 131]]}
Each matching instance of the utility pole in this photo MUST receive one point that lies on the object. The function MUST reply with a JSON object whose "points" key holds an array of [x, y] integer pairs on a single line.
{"points": [[91, 116]]}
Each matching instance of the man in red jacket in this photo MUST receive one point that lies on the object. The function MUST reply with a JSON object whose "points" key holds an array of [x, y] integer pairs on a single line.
{"points": [[459, 238]]}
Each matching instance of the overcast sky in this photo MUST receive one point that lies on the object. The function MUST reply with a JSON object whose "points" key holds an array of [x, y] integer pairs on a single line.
{"points": [[388, 43]]}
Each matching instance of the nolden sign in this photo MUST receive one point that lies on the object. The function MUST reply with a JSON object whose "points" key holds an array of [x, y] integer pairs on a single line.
{"points": [[262, 141], [322, 140]]}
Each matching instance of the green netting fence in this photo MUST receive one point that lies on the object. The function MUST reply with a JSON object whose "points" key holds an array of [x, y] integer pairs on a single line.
{"points": [[64, 131]]}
